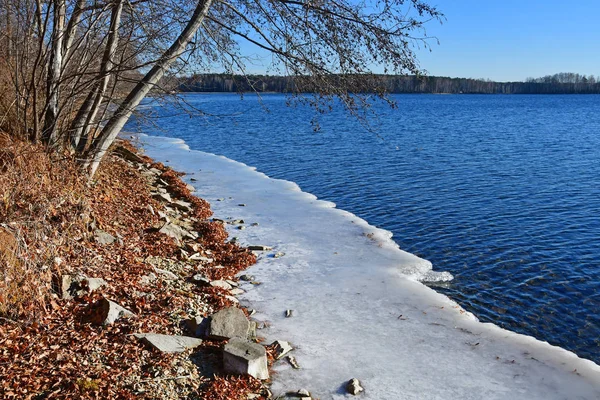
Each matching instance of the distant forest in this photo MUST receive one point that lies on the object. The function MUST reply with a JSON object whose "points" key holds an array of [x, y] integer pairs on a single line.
{"points": [[562, 83]]}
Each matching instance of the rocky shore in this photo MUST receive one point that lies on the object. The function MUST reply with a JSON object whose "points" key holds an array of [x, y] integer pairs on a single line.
{"points": [[137, 294]]}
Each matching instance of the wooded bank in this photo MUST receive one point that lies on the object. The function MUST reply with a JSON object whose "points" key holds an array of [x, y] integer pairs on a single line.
{"points": [[555, 84]]}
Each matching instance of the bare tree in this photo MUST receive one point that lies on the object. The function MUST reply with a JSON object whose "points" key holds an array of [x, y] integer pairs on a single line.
{"points": [[98, 59]]}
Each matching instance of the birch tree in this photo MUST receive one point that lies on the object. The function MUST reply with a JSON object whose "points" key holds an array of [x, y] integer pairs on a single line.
{"points": [[98, 59]]}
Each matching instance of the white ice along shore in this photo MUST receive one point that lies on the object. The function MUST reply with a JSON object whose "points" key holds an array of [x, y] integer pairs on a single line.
{"points": [[359, 311]]}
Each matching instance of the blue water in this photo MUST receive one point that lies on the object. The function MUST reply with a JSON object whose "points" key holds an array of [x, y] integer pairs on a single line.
{"points": [[501, 191]]}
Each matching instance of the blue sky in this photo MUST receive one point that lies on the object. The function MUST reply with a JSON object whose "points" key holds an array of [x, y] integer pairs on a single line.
{"points": [[508, 40]]}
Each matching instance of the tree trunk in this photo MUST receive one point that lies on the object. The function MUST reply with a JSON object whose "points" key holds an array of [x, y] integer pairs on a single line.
{"points": [[118, 120], [49, 134], [89, 109]]}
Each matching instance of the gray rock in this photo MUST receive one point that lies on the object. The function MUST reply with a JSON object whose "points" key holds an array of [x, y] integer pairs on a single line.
{"points": [[95, 283], [259, 248], [221, 284], [293, 362], [66, 283], [247, 277], [254, 224], [232, 283], [168, 343], [241, 227], [353, 387], [155, 171], [302, 394], [190, 188], [201, 279], [165, 197], [236, 291], [229, 323], [279, 254], [281, 348], [243, 357], [103, 238], [111, 311], [289, 313], [236, 222], [163, 216], [182, 205], [174, 231], [147, 279], [198, 326], [242, 204], [168, 275], [198, 257]]}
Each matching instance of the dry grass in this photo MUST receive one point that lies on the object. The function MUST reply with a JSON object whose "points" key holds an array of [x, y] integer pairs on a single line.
{"points": [[39, 196]]}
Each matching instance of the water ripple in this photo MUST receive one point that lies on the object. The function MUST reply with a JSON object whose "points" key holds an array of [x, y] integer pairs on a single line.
{"points": [[502, 191]]}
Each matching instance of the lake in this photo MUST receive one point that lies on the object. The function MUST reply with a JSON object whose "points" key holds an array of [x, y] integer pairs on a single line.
{"points": [[501, 191]]}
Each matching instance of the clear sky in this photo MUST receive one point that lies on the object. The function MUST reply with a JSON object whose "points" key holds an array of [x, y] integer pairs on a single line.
{"points": [[506, 40]]}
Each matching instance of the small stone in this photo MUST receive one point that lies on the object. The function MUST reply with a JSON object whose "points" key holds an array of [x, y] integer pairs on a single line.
{"points": [[221, 199], [175, 231], [243, 357], [198, 257], [229, 323], [193, 179], [221, 284], [103, 238], [293, 362], [236, 222], [242, 204], [169, 343], [254, 224], [168, 275], [241, 227], [165, 197], [232, 299], [147, 279], [353, 387], [190, 188], [111, 311], [299, 394], [201, 279], [65, 287], [182, 205], [236, 291], [232, 283], [289, 313], [279, 254], [95, 283], [259, 248], [247, 277], [163, 216], [281, 349]]}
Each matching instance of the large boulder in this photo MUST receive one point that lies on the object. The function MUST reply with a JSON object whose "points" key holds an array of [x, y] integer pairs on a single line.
{"points": [[229, 323], [246, 358]]}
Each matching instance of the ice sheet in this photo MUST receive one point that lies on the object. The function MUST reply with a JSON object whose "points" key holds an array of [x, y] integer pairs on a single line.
{"points": [[359, 311]]}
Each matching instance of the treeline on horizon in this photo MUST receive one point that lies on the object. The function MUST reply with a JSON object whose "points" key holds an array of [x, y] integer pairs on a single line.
{"points": [[561, 83]]}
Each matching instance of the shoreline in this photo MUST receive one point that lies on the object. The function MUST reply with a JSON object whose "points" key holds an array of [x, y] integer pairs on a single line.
{"points": [[434, 307]]}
